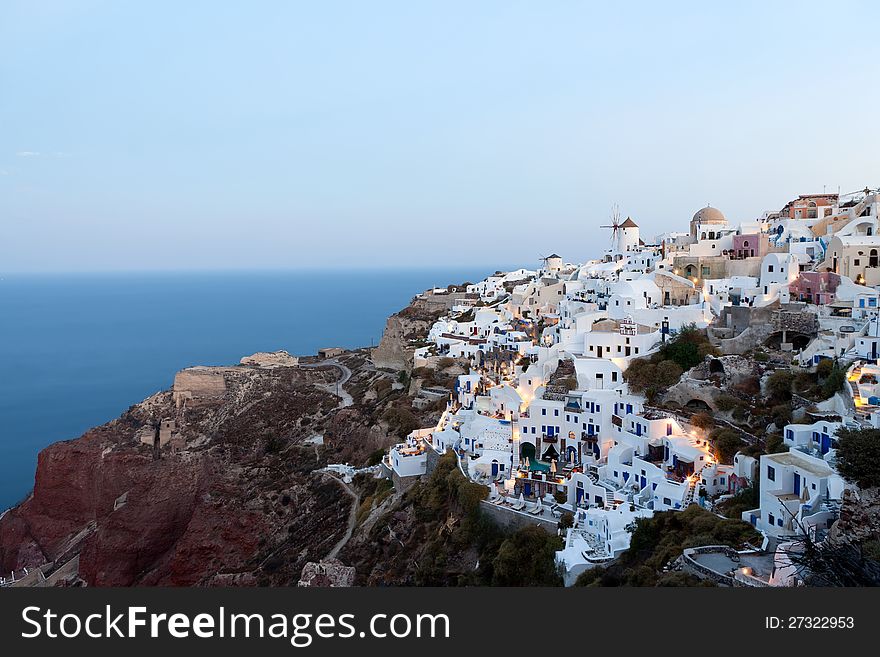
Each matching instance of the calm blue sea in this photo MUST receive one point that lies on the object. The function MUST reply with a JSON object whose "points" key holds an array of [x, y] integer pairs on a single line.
{"points": [[77, 350]]}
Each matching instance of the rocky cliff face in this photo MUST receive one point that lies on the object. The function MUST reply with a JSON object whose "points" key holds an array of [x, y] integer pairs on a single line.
{"points": [[401, 335], [234, 501], [216, 481], [859, 516]]}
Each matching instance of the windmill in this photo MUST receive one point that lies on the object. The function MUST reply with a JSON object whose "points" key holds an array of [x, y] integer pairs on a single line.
{"points": [[615, 225], [866, 191]]}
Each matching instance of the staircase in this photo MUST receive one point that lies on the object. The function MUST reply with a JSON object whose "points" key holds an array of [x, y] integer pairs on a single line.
{"points": [[689, 496], [692, 487], [852, 378]]}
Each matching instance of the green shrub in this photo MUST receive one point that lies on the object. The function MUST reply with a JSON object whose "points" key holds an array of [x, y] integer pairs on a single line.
{"points": [[726, 402], [779, 385], [834, 381], [858, 456], [527, 558], [824, 367], [726, 443], [703, 420]]}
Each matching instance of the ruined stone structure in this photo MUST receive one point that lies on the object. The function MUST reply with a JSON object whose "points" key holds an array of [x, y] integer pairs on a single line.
{"points": [[199, 385]]}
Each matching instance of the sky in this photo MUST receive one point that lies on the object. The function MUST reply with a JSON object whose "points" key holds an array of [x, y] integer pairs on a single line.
{"points": [[262, 135]]}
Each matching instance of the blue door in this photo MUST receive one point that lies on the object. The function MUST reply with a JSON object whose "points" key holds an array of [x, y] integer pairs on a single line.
{"points": [[494, 468], [826, 443], [580, 495], [797, 484], [527, 489], [643, 482]]}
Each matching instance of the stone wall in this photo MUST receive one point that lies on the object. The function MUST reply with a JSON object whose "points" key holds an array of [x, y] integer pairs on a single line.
{"points": [[199, 385], [505, 517]]}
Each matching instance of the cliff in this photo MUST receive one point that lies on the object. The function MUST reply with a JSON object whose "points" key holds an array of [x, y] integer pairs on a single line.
{"points": [[216, 481], [402, 335], [231, 498]]}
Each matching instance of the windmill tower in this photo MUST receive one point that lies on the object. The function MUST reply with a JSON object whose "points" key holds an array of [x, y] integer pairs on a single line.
{"points": [[552, 262], [624, 234], [615, 228]]}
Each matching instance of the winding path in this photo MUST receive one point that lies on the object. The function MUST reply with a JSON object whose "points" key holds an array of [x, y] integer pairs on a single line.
{"points": [[352, 517], [337, 387]]}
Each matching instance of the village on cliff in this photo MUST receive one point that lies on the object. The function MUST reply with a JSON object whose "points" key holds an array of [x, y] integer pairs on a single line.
{"points": [[548, 414]]}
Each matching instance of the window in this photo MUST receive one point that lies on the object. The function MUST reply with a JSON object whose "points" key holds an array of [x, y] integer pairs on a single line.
{"points": [[771, 519], [770, 268], [771, 474], [543, 411]]}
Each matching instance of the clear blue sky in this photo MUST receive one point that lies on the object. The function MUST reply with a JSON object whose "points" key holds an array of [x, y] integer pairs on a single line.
{"points": [[177, 135]]}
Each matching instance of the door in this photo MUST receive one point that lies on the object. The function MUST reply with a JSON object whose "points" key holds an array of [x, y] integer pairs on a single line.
{"points": [[494, 468], [797, 484]]}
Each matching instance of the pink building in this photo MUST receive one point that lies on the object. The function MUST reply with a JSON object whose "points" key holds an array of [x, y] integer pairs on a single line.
{"points": [[749, 246], [816, 287]]}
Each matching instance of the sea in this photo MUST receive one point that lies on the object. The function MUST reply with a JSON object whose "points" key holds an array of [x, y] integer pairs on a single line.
{"points": [[76, 350]]}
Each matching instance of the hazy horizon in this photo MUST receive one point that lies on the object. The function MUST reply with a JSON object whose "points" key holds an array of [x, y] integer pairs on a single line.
{"points": [[275, 136]]}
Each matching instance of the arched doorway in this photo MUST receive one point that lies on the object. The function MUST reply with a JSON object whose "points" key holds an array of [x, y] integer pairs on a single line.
{"points": [[527, 451]]}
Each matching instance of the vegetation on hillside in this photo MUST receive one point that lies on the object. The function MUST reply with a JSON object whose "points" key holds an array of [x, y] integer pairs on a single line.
{"points": [[858, 456], [664, 368], [658, 541], [440, 534]]}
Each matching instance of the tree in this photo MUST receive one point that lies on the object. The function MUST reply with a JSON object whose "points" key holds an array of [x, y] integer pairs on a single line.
{"points": [[643, 375], [703, 421], [833, 562], [834, 381], [824, 368], [858, 456], [527, 558], [688, 348], [566, 520], [667, 373], [779, 385], [726, 443]]}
